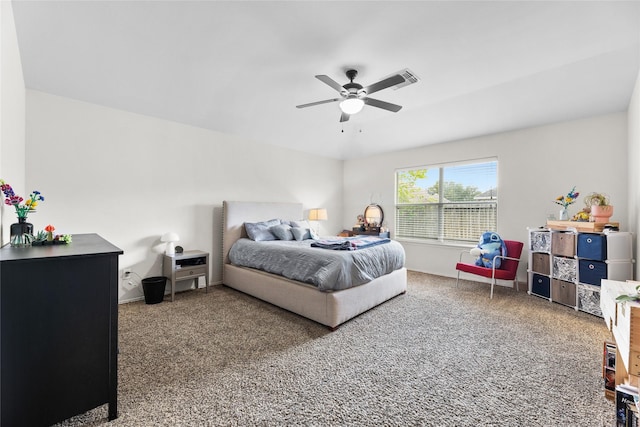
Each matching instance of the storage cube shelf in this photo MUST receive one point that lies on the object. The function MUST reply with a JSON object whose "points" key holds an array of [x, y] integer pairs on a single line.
{"points": [[567, 266]]}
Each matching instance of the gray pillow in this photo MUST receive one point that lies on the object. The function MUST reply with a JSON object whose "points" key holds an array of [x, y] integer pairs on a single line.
{"points": [[305, 225], [282, 231], [259, 231], [300, 233], [302, 224]]}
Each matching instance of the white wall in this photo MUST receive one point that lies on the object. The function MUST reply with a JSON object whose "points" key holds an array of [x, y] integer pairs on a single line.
{"points": [[130, 178], [12, 116], [633, 115], [535, 166]]}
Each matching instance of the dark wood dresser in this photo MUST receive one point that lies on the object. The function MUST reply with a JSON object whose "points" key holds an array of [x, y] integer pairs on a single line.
{"points": [[58, 331]]}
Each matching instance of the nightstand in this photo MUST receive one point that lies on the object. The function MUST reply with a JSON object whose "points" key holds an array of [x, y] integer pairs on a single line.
{"points": [[189, 265]]}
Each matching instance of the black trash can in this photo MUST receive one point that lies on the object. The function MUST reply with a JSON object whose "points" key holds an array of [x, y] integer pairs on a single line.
{"points": [[153, 288]]}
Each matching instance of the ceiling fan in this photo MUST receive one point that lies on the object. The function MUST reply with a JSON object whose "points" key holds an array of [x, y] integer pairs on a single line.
{"points": [[354, 96]]}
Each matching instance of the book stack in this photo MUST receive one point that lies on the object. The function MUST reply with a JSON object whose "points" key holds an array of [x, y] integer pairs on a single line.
{"points": [[627, 404]]}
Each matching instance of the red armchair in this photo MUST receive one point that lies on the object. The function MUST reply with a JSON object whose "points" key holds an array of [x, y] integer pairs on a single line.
{"points": [[508, 269]]}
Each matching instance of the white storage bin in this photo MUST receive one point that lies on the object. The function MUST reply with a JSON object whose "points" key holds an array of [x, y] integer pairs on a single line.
{"points": [[619, 270], [619, 246]]}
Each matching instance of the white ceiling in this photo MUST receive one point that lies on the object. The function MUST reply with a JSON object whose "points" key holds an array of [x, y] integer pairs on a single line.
{"points": [[241, 67]]}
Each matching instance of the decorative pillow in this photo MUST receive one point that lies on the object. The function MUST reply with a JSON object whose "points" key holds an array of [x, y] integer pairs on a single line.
{"points": [[300, 233], [282, 231], [259, 231], [305, 224], [301, 224]]}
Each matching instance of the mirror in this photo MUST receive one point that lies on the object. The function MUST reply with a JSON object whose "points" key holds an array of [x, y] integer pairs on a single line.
{"points": [[373, 215]]}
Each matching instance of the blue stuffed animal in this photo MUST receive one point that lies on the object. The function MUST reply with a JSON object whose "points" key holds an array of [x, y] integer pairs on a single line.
{"points": [[490, 245]]}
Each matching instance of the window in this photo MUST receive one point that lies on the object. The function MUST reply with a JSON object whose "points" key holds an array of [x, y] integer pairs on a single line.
{"points": [[455, 202]]}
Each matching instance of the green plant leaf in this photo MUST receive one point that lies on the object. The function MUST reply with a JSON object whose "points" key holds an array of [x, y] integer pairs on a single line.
{"points": [[635, 297]]}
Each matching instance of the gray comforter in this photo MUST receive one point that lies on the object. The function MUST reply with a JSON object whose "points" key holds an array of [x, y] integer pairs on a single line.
{"points": [[326, 269]]}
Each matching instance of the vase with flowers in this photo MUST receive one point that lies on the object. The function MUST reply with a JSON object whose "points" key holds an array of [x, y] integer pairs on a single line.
{"points": [[22, 231], [565, 201]]}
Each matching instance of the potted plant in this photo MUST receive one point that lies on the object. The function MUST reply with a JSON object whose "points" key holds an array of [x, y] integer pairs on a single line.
{"points": [[599, 206], [39, 238]]}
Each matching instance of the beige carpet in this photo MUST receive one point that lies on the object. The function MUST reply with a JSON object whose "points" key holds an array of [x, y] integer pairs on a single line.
{"points": [[436, 356]]}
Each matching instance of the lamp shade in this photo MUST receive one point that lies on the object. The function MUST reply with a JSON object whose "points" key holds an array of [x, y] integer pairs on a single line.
{"points": [[318, 214], [352, 105], [170, 237]]}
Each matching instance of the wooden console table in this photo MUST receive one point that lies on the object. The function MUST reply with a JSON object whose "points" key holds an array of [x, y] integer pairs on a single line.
{"points": [[58, 331]]}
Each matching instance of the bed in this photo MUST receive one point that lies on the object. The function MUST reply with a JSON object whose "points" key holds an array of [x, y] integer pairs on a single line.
{"points": [[330, 308]]}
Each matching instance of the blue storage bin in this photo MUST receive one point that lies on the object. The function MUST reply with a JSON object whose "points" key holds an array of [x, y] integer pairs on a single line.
{"points": [[591, 272], [541, 285], [592, 246]]}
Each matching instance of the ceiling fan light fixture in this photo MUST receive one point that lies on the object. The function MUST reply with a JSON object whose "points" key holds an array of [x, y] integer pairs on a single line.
{"points": [[352, 105]]}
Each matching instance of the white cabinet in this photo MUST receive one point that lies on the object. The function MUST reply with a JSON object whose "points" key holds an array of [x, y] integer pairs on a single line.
{"points": [[623, 320], [567, 267]]}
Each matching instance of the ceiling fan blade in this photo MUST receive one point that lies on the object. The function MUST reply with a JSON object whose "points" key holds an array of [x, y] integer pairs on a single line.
{"points": [[383, 84], [382, 104], [311, 104], [328, 80], [344, 117]]}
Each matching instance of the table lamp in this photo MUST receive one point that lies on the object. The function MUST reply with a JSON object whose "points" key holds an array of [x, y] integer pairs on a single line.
{"points": [[318, 214], [170, 238]]}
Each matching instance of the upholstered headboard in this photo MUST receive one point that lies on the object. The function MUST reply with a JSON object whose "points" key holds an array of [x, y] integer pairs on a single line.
{"points": [[235, 214]]}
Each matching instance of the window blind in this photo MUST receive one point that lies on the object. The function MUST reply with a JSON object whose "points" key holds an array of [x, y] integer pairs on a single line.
{"points": [[447, 203]]}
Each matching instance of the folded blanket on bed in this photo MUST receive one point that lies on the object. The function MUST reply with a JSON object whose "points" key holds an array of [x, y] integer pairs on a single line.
{"points": [[350, 243]]}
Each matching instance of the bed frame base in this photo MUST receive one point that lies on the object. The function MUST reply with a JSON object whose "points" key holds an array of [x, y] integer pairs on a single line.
{"points": [[328, 308]]}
